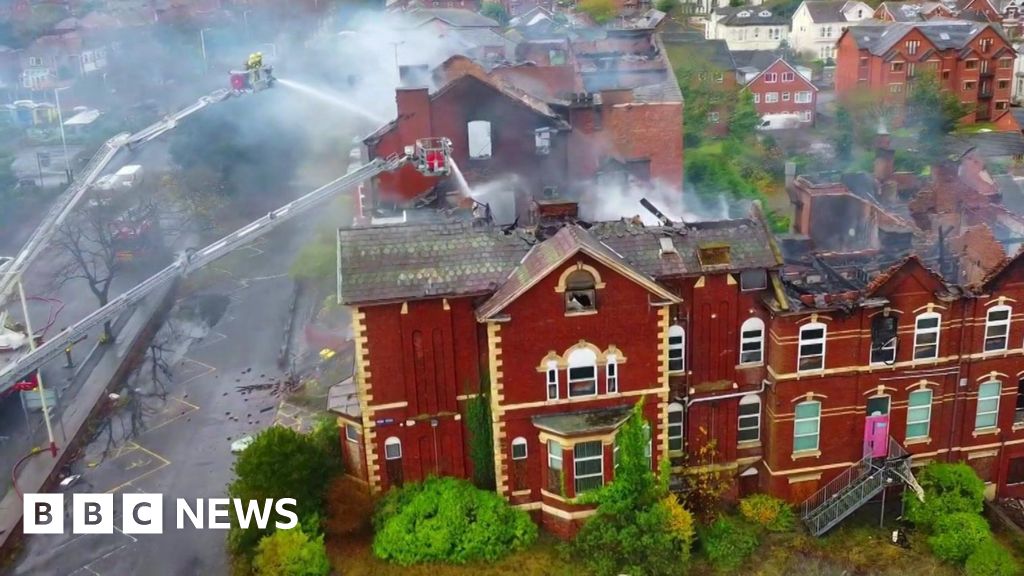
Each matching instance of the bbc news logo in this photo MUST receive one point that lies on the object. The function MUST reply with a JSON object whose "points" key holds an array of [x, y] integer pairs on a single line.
{"points": [[144, 513]]}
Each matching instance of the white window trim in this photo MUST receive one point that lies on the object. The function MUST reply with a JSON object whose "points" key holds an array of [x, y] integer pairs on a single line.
{"points": [[554, 456], [817, 427], [551, 381], [520, 441], [480, 154], [802, 342], [674, 430], [918, 332], [576, 460], [926, 408], [994, 412], [749, 325], [993, 323], [749, 400], [568, 373], [680, 348], [349, 437], [392, 441], [611, 374]]}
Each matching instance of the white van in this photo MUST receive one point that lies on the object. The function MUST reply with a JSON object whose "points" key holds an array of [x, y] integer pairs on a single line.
{"points": [[129, 176], [779, 121]]}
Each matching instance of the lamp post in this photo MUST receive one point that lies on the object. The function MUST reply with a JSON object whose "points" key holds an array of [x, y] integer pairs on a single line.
{"points": [[398, 70], [39, 375], [63, 139], [273, 48]]}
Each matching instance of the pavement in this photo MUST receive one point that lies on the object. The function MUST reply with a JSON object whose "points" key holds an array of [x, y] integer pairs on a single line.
{"points": [[175, 437]]}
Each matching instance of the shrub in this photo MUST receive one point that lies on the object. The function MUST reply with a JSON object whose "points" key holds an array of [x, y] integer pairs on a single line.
{"points": [[991, 559], [773, 514], [958, 535], [728, 542], [600, 10], [680, 524], [291, 553], [948, 489], [449, 520], [665, 5]]}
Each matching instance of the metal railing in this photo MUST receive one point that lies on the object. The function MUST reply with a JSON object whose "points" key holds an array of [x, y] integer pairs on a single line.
{"points": [[853, 488]]}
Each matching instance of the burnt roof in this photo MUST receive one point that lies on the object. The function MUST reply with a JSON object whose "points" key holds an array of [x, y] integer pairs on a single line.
{"points": [[415, 261]]}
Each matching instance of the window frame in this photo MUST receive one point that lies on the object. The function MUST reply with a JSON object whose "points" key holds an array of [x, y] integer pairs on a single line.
{"points": [[749, 325], [927, 408], [745, 275], [592, 365], [391, 442], [989, 324], [771, 97], [817, 426], [891, 348], [519, 442], [748, 400], [674, 430], [470, 137], [1018, 407], [577, 460], [588, 289], [348, 435], [611, 374], [551, 380], [801, 343], [919, 332], [677, 331], [994, 411]]}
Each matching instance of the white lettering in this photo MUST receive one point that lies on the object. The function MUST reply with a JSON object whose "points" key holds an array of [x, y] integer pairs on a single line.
{"points": [[195, 517], [92, 513], [252, 509], [43, 513], [282, 510], [217, 509], [142, 513]]}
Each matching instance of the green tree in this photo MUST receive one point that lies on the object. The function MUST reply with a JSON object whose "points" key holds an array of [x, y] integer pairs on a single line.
{"points": [[495, 11], [991, 559], [703, 94], [633, 531], [934, 112], [600, 10], [948, 489], [744, 118], [481, 442], [291, 553], [316, 262], [842, 139], [280, 463], [666, 5], [958, 535]]}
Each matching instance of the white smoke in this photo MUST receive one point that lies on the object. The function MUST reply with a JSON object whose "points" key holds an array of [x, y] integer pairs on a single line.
{"points": [[609, 202]]}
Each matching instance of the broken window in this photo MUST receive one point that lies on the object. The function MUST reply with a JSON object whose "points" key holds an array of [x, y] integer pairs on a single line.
{"points": [[579, 292], [479, 132], [714, 255], [542, 141], [883, 339]]}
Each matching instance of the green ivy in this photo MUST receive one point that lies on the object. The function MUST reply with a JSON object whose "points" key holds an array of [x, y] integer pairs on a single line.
{"points": [[481, 440]]}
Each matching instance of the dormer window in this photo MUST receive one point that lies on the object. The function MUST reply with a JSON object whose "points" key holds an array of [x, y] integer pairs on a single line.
{"points": [[765, 14], [743, 14], [579, 292]]}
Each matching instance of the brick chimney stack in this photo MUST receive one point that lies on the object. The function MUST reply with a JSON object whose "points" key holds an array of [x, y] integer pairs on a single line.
{"points": [[885, 156]]}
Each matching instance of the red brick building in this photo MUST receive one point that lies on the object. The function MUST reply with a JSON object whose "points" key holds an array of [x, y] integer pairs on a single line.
{"points": [[564, 327], [974, 60], [564, 125], [780, 89]]}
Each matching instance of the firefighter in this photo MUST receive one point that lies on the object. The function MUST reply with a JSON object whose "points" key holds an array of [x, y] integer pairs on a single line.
{"points": [[255, 65]]}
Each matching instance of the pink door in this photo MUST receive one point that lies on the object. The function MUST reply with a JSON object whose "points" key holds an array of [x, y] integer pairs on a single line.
{"points": [[876, 436]]}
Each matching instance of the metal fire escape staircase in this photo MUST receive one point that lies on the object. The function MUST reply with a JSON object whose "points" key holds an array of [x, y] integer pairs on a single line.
{"points": [[845, 494]]}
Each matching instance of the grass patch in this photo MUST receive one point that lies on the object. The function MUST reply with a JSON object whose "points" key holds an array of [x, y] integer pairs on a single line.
{"points": [[975, 128]]}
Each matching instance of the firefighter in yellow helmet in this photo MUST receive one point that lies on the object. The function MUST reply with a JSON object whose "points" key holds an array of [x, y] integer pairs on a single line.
{"points": [[255, 64]]}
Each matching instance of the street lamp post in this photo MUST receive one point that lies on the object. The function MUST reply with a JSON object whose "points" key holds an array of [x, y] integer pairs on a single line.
{"points": [[273, 48], [63, 139], [398, 69]]}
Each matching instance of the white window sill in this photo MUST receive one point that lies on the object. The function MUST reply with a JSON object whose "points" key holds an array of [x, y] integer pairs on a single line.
{"points": [[748, 366], [985, 432], [921, 440], [806, 454], [581, 313], [1018, 426], [748, 444]]}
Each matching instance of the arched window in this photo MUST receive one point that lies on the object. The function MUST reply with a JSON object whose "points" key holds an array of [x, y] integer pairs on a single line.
{"points": [[752, 341], [582, 373], [392, 448], [926, 336], [919, 413], [997, 328], [479, 132], [675, 427], [811, 354], [580, 295], [519, 448], [676, 349], [611, 369], [552, 380], [987, 415], [749, 425], [806, 425]]}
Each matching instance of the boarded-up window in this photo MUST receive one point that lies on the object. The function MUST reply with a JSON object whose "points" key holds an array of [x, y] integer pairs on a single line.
{"points": [[479, 139]]}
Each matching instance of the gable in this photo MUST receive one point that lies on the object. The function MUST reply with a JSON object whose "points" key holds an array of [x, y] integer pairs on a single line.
{"points": [[907, 277], [1011, 271]]}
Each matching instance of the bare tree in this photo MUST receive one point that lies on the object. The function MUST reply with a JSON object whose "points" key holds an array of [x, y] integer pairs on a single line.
{"points": [[98, 241]]}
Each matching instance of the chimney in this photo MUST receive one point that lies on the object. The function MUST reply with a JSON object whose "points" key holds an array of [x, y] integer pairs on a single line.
{"points": [[885, 157], [790, 173], [413, 115], [551, 207]]}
